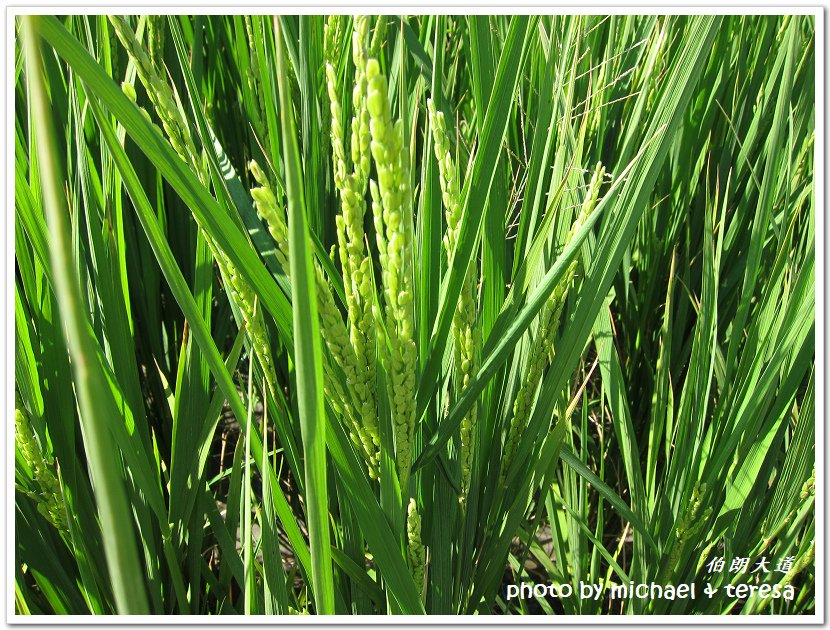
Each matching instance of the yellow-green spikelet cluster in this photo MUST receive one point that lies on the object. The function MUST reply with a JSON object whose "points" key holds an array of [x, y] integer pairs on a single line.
{"points": [[244, 296], [158, 91], [391, 204], [48, 497], [416, 554], [266, 206], [252, 77], [351, 182], [804, 561], [693, 519], [331, 37], [542, 350], [337, 341], [360, 138], [808, 488], [464, 330], [246, 300]]}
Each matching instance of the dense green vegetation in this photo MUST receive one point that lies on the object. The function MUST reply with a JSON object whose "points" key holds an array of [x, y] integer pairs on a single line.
{"points": [[488, 299]]}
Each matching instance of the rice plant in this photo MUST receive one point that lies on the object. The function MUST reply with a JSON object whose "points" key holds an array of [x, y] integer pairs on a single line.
{"points": [[395, 314]]}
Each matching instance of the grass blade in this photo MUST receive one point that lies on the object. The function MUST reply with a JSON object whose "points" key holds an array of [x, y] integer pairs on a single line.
{"points": [[94, 396], [308, 351]]}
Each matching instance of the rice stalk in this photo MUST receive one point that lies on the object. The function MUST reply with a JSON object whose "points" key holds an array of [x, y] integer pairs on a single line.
{"points": [[542, 349], [466, 342], [356, 403]]}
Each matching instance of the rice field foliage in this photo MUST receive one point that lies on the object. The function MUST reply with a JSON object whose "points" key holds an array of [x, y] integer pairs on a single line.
{"points": [[381, 314]]}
